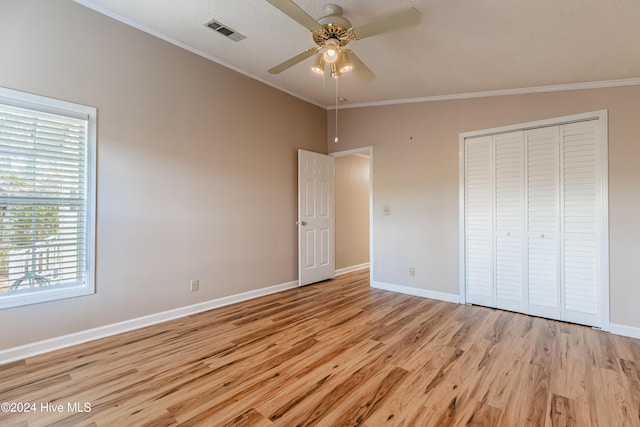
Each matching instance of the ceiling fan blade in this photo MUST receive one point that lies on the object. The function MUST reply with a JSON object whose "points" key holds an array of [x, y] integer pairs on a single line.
{"points": [[385, 24], [292, 61], [294, 12], [361, 71]]}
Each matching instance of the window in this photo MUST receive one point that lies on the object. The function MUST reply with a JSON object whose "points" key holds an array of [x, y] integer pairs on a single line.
{"points": [[47, 199]]}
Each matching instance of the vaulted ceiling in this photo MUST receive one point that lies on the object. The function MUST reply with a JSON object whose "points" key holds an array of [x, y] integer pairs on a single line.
{"points": [[458, 47]]}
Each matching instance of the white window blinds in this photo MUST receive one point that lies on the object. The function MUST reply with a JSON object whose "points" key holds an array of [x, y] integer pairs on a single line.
{"points": [[45, 205]]}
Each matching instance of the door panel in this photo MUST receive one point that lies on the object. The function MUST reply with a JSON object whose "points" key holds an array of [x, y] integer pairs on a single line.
{"points": [[479, 221], [543, 221], [509, 208], [316, 252], [580, 171]]}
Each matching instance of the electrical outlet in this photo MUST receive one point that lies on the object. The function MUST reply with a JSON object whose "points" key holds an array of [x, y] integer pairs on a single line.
{"points": [[195, 285], [412, 271]]}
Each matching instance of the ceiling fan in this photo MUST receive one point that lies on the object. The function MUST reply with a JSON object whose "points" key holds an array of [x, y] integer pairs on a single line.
{"points": [[333, 32]]}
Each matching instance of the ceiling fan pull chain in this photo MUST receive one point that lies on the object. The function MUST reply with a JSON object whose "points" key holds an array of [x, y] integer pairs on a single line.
{"points": [[336, 140]]}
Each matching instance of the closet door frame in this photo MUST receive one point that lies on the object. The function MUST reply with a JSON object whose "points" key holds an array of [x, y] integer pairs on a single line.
{"points": [[602, 117]]}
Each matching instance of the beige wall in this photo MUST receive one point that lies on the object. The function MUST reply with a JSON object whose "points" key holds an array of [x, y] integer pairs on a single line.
{"points": [[352, 211], [197, 170], [415, 173], [196, 166]]}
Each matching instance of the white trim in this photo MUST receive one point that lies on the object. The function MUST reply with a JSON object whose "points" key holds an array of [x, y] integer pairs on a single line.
{"points": [[425, 293], [604, 221], [627, 331], [47, 104], [623, 330], [501, 92], [341, 271], [371, 269], [33, 349], [353, 152], [358, 151], [553, 121], [44, 104], [462, 270]]}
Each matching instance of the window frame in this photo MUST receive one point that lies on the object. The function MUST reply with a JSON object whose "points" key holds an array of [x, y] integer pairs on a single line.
{"points": [[43, 104]]}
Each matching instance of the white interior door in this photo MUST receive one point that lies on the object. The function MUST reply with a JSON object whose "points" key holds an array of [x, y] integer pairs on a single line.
{"points": [[316, 223]]}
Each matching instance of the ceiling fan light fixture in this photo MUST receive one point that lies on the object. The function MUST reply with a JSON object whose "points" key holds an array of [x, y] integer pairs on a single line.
{"points": [[344, 61], [331, 51], [318, 65]]}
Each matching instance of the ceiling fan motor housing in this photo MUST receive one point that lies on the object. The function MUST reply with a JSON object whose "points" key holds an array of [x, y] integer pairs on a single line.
{"points": [[334, 26], [332, 9]]}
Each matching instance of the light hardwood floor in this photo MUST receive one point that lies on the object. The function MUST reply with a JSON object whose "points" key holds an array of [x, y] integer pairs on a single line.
{"points": [[337, 354]]}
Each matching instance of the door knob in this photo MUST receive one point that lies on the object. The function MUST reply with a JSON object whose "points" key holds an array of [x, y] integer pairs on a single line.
{"points": [[302, 222]]}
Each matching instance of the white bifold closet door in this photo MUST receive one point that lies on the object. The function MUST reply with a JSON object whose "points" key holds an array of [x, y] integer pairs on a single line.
{"points": [[532, 219]]}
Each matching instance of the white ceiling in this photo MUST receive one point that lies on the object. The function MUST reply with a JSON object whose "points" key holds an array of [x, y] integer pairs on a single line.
{"points": [[459, 47]]}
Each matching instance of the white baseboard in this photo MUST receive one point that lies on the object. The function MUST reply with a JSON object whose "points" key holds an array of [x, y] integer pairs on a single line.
{"points": [[351, 269], [33, 349], [425, 293], [39, 347], [627, 331]]}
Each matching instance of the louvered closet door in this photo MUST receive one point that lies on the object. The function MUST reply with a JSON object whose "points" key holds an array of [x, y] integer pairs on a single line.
{"points": [[581, 203], [535, 230], [479, 188], [543, 221], [509, 209]]}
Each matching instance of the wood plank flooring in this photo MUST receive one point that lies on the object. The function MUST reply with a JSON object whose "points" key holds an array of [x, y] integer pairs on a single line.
{"points": [[336, 354]]}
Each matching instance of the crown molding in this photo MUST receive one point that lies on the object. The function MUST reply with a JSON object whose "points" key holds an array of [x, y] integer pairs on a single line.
{"points": [[502, 92]]}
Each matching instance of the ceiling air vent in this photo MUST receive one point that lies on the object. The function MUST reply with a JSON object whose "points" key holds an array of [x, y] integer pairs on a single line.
{"points": [[225, 31]]}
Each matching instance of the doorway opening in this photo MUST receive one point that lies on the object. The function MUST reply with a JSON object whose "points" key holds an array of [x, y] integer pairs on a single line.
{"points": [[353, 210]]}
